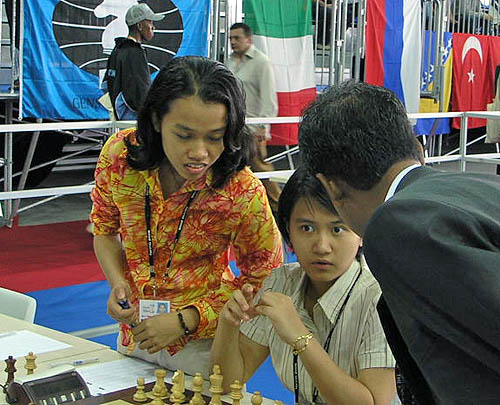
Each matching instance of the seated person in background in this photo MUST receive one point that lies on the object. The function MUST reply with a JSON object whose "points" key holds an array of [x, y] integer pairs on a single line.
{"points": [[171, 198], [318, 316]]}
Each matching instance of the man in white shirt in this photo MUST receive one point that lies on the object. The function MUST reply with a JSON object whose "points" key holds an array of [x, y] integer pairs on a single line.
{"points": [[254, 70], [431, 239]]}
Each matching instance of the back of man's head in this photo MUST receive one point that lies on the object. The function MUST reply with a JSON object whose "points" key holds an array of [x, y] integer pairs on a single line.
{"points": [[355, 132], [246, 28]]}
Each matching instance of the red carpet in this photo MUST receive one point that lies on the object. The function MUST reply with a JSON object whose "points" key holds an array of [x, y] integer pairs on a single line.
{"points": [[47, 256]]}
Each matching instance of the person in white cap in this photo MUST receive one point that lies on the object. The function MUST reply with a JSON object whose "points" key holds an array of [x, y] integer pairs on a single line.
{"points": [[127, 75]]}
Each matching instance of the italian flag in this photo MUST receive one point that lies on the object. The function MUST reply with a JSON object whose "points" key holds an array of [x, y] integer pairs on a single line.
{"points": [[283, 31]]}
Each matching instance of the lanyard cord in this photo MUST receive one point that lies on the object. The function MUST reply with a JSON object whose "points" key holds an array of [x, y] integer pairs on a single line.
{"points": [[147, 212], [326, 347]]}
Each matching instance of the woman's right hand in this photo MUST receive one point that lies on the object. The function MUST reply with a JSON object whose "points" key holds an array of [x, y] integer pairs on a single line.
{"points": [[240, 306], [120, 293]]}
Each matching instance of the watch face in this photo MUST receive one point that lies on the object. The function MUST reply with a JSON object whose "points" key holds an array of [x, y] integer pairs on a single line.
{"points": [[86, 30]]}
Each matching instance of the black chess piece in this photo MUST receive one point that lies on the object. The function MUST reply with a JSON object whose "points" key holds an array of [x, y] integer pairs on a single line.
{"points": [[10, 370]]}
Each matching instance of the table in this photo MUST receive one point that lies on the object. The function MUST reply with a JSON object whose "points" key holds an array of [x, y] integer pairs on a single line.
{"points": [[80, 349]]}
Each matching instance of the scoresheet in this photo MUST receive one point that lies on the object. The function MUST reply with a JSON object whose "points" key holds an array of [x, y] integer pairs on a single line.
{"points": [[20, 343], [103, 378]]}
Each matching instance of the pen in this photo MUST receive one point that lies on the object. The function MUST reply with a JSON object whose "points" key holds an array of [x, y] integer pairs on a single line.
{"points": [[125, 305], [76, 362]]}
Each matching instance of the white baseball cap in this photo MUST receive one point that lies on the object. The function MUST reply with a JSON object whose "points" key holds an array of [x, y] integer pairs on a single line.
{"points": [[140, 12]]}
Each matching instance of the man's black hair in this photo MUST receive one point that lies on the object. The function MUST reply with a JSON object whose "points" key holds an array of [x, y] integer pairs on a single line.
{"points": [[246, 28], [354, 132]]}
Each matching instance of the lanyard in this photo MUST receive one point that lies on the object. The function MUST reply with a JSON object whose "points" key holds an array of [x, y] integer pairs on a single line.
{"points": [[326, 347], [147, 212]]}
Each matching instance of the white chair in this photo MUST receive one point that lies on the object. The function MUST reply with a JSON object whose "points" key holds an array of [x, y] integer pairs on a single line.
{"points": [[17, 305]]}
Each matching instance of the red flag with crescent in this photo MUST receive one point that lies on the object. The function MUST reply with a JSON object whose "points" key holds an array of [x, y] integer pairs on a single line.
{"points": [[473, 79]]}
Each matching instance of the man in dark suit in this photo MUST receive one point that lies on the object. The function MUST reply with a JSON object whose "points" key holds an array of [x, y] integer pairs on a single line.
{"points": [[431, 238]]}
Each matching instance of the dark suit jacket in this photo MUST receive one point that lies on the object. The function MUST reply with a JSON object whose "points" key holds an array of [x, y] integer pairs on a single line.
{"points": [[435, 250]]}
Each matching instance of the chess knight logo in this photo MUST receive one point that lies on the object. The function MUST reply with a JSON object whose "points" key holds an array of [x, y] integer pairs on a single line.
{"points": [[86, 29]]}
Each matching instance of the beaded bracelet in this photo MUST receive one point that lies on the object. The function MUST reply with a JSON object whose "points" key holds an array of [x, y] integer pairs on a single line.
{"points": [[183, 324], [306, 339]]}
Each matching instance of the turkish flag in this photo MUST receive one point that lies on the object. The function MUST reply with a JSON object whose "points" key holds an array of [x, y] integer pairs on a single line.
{"points": [[473, 76]]}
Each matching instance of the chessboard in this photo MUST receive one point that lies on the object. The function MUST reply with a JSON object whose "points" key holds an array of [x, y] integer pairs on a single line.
{"points": [[126, 397], [162, 392]]}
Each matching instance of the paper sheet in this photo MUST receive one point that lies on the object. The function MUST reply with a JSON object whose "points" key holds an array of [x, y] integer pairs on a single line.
{"points": [[102, 378], [20, 343]]}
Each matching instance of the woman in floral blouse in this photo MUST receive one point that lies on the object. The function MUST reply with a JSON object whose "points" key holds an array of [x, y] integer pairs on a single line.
{"points": [[171, 198]]}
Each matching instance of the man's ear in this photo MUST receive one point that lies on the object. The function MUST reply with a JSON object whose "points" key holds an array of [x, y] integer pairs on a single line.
{"points": [[331, 187], [156, 122]]}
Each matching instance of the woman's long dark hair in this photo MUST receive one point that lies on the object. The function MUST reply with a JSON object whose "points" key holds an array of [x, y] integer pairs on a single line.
{"points": [[212, 82]]}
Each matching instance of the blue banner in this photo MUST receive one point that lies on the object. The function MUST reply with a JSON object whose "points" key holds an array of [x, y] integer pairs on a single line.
{"points": [[67, 43]]}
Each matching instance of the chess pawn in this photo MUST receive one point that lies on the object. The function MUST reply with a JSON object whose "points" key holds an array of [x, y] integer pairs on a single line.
{"points": [[256, 398], [140, 394], [236, 394], [30, 363], [160, 388], [197, 389], [216, 386], [177, 396]]}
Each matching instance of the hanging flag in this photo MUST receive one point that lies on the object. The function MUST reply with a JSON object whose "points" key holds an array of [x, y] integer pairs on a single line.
{"points": [[429, 105], [473, 75], [67, 43], [393, 34], [283, 31]]}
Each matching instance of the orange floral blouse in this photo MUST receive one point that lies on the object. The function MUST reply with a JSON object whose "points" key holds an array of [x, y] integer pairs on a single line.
{"points": [[237, 215]]}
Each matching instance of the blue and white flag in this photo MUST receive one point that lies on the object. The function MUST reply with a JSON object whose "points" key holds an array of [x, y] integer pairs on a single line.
{"points": [[393, 43], [67, 43]]}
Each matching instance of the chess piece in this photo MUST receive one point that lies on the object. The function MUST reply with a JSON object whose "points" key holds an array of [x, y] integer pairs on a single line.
{"points": [[30, 363], [177, 396], [278, 402], [256, 398], [10, 369], [197, 389], [236, 394], [216, 386], [140, 395], [157, 399], [160, 388]]}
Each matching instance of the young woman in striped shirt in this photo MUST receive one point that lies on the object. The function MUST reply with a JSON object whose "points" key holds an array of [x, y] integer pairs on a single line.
{"points": [[317, 318]]}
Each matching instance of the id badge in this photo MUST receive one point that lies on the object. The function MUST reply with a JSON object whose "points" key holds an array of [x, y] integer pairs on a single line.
{"points": [[148, 308]]}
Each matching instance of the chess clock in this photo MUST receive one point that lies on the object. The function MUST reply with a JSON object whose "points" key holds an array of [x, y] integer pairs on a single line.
{"points": [[52, 390]]}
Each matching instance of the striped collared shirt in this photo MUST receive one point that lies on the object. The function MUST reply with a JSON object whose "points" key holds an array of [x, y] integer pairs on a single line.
{"points": [[358, 341]]}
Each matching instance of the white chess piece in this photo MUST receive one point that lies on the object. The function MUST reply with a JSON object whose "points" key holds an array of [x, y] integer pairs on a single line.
{"points": [[197, 388], [140, 395]]}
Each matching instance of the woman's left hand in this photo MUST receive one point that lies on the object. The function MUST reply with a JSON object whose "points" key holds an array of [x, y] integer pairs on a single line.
{"points": [[159, 331], [280, 309]]}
